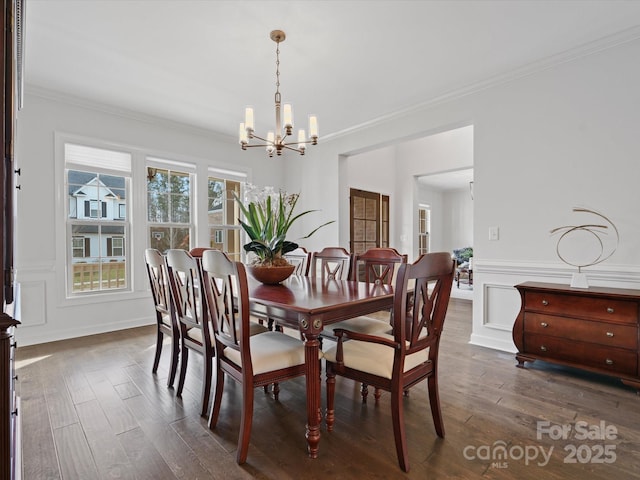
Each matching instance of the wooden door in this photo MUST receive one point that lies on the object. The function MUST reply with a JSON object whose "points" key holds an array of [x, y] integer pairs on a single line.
{"points": [[369, 220]]}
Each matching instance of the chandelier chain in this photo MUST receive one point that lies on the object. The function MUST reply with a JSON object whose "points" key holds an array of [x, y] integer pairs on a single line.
{"points": [[278, 72]]}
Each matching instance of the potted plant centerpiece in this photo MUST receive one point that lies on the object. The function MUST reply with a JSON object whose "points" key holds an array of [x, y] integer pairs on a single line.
{"points": [[268, 216]]}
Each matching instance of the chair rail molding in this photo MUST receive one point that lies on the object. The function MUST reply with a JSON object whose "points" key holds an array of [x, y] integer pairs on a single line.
{"points": [[603, 275]]}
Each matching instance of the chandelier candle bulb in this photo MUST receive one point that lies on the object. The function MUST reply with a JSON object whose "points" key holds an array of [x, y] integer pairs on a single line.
{"points": [[302, 136], [270, 143], [313, 128], [242, 133], [248, 120], [288, 117]]}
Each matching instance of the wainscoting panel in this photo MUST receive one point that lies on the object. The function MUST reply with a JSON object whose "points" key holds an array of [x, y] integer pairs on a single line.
{"points": [[34, 311], [500, 306]]}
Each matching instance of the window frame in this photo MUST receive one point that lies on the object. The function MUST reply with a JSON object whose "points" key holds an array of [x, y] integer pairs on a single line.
{"points": [[70, 220], [226, 229], [424, 234], [171, 165]]}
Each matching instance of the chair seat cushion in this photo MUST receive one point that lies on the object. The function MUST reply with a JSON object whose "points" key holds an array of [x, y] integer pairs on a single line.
{"points": [[271, 351], [254, 329], [374, 358], [364, 324]]}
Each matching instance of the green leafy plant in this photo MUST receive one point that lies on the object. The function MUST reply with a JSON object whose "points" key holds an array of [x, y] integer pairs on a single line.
{"points": [[268, 219], [463, 254]]}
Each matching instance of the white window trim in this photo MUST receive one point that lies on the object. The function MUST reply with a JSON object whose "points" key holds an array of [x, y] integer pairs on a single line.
{"points": [[182, 167]]}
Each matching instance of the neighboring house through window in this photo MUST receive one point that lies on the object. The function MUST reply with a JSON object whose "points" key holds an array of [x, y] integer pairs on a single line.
{"points": [[97, 183]]}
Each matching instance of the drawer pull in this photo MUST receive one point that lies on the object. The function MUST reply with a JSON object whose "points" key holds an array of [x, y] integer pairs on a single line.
{"points": [[608, 361], [610, 310], [544, 324], [543, 348], [545, 302], [609, 334]]}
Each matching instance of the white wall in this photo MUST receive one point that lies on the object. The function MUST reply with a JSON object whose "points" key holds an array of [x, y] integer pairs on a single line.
{"points": [[544, 142], [457, 208]]}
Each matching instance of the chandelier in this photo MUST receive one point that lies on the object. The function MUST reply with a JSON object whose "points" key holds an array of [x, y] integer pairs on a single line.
{"points": [[276, 140]]}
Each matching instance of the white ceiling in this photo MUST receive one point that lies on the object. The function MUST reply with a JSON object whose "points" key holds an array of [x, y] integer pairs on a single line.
{"points": [[452, 180], [349, 62]]}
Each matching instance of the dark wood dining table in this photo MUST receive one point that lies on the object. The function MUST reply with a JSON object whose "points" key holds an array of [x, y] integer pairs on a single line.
{"points": [[309, 304]]}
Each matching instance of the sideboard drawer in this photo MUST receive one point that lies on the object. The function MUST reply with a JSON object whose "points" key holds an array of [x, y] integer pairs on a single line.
{"points": [[596, 308], [615, 360], [603, 333]]}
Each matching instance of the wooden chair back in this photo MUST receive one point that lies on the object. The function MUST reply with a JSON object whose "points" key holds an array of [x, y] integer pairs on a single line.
{"points": [[183, 278], [166, 321], [226, 293], [377, 265], [331, 263], [157, 272], [422, 309], [301, 259]]}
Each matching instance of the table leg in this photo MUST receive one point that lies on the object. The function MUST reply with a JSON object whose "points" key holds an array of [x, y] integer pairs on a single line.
{"points": [[311, 350]]}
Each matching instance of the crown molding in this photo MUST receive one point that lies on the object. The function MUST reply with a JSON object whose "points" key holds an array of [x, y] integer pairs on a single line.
{"points": [[590, 48], [82, 102]]}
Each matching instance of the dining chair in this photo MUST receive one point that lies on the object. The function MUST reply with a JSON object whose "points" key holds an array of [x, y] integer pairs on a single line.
{"points": [[252, 361], [408, 356], [192, 318], [166, 322], [331, 263], [376, 266], [300, 258]]}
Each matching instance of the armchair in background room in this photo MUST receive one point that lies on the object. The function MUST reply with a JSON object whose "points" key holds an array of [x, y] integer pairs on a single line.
{"points": [[464, 265]]}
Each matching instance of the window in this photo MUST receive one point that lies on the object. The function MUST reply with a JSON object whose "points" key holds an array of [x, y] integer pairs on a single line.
{"points": [[223, 214], [122, 210], [424, 227], [93, 207], [78, 246], [115, 247], [97, 182], [169, 200]]}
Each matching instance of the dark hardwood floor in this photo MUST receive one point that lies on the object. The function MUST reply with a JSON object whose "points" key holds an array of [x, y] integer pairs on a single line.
{"points": [[91, 409]]}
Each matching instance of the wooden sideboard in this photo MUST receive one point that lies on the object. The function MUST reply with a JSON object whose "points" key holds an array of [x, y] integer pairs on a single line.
{"points": [[595, 328]]}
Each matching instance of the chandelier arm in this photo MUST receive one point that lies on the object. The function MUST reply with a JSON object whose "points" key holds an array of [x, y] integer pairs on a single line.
{"points": [[298, 143], [286, 145], [260, 138]]}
